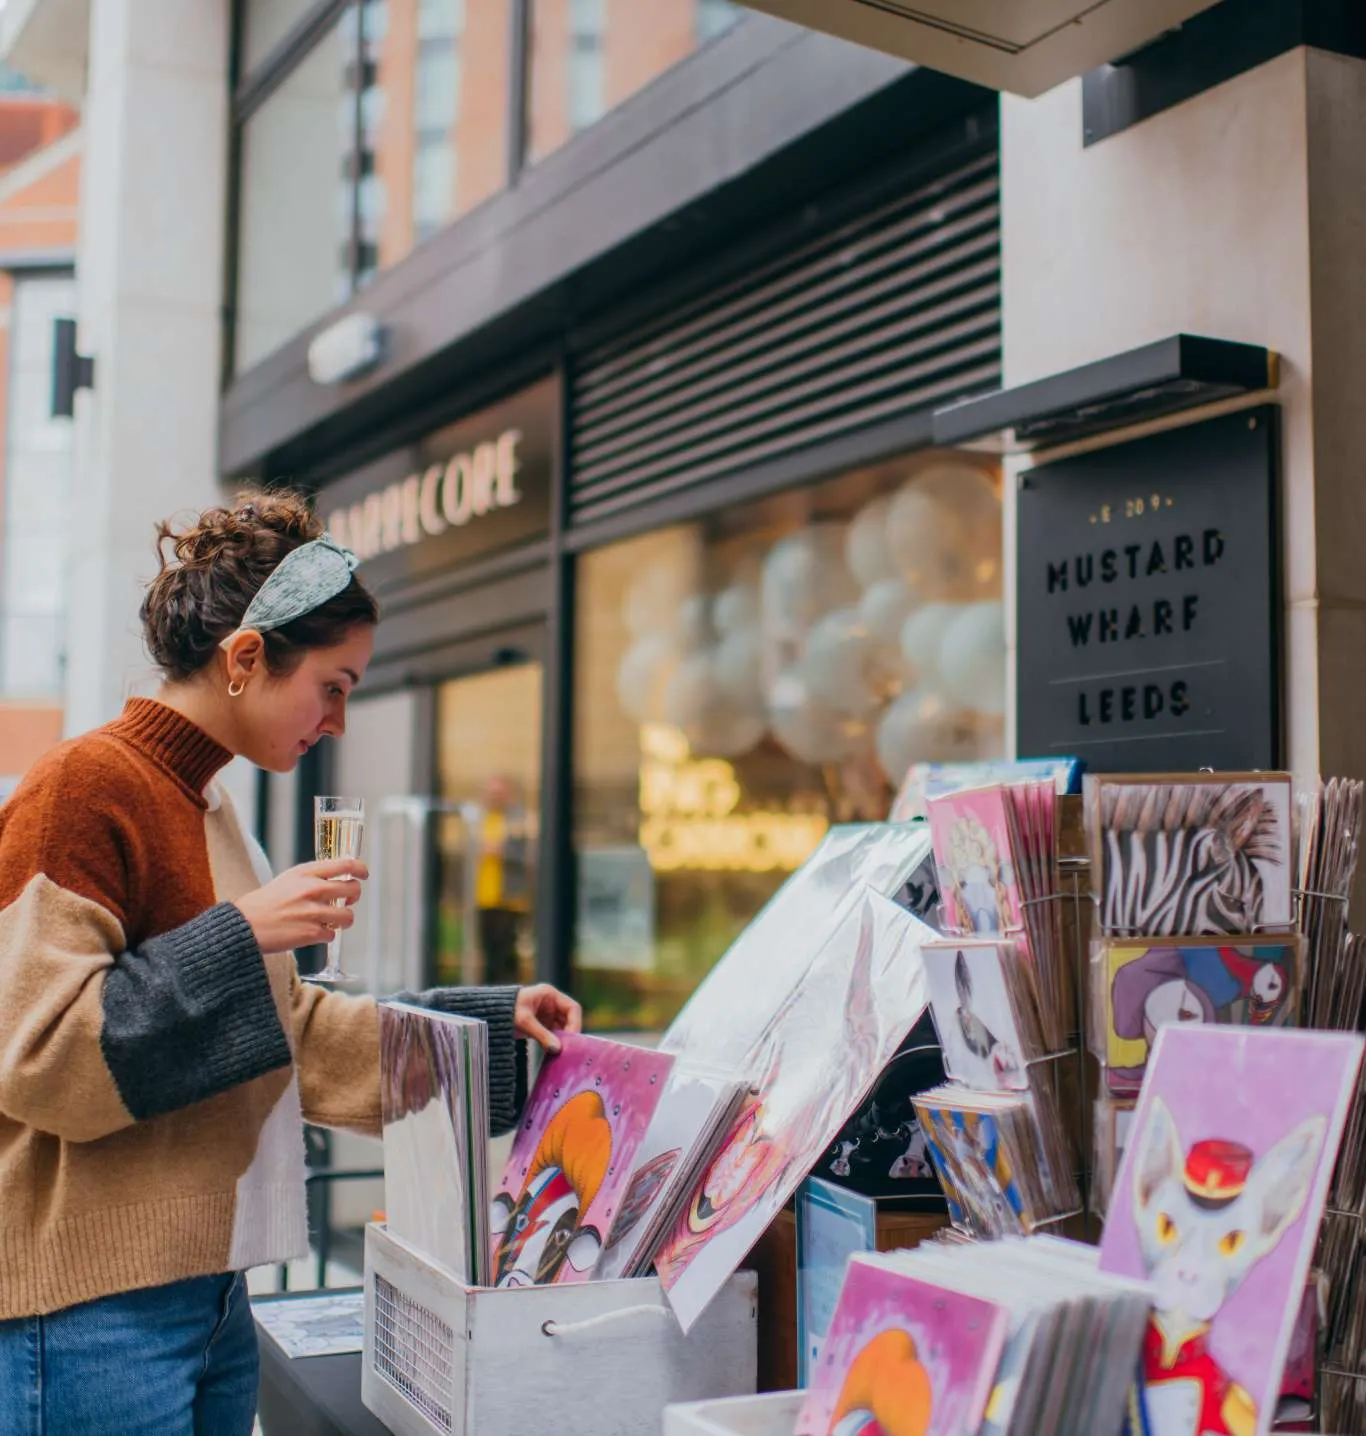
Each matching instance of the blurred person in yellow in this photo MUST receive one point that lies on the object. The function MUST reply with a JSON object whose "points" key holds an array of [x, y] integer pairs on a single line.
{"points": [[502, 893]]}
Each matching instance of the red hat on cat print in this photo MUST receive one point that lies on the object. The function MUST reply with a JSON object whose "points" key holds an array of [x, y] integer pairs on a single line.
{"points": [[1216, 1172]]}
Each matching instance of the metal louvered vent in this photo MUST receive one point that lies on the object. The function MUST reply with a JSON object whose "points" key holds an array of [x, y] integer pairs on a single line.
{"points": [[894, 312]]}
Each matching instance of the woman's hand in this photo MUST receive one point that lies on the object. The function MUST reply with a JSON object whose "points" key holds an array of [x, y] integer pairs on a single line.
{"points": [[299, 907], [542, 1011]]}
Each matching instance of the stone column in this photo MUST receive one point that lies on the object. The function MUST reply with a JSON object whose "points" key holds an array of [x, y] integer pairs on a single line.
{"points": [[150, 275], [1197, 220]]}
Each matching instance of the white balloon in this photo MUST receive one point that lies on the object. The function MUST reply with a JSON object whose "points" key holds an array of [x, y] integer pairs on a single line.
{"points": [[972, 658], [865, 544], [966, 494], [804, 576], [731, 731], [736, 608], [916, 538], [691, 693], [921, 637], [738, 667], [810, 730], [838, 663], [885, 609], [651, 603], [920, 726], [693, 622], [944, 531], [643, 675]]}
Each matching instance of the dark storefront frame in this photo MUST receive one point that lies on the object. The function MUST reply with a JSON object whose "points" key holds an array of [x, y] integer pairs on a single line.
{"points": [[803, 193]]}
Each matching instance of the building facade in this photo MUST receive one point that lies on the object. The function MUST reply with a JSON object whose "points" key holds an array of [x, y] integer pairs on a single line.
{"points": [[40, 165], [728, 380]]}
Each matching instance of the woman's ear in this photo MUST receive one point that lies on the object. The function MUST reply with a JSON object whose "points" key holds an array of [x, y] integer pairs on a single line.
{"points": [[244, 656]]}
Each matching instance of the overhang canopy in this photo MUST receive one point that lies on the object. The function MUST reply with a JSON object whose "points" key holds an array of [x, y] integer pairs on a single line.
{"points": [[48, 42], [1021, 46]]}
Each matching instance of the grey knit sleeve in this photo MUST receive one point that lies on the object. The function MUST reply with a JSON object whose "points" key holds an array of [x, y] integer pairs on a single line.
{"points": [[494, 1006]]}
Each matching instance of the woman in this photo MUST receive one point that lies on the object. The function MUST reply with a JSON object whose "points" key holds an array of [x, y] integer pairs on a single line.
{"points": [[158, 1052]]}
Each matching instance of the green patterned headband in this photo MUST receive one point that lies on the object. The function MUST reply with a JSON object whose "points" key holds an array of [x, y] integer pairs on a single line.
{"points": [[305, 579]]}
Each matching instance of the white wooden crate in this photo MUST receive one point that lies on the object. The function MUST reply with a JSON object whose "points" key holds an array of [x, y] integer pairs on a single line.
{"points": [[600, 1358], [771, 1415]]}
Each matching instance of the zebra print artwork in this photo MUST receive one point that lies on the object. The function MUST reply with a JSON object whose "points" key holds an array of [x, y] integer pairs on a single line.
{"points": [[1193, 858]]}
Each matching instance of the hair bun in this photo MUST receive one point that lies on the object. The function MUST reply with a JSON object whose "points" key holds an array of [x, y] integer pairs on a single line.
{"points": [[268, 525], [213, 570]]}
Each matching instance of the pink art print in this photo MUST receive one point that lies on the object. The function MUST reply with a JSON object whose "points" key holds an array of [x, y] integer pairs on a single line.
{"points": [[903, 1358], [572, 1159], [978, 887], [1217, 1204]]}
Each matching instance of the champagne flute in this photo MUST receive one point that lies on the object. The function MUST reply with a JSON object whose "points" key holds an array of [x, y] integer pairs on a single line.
{"points": [[338, 828]]}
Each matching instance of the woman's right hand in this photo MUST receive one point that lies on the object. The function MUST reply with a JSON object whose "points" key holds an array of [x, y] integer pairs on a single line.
{"points": [[299, 907]]}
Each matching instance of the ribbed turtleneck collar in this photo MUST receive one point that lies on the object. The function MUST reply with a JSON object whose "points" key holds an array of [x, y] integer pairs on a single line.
{"points": [[172, 742]]}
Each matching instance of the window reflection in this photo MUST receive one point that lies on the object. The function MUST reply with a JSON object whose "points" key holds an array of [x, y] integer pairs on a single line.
{"points": [[265, 24], [742, 683], [294, 259], [435, 118], [588, 56], [397, 121]]}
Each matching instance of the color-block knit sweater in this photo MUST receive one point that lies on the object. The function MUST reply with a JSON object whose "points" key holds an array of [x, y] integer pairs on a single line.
{"points": [[155, 1066]]}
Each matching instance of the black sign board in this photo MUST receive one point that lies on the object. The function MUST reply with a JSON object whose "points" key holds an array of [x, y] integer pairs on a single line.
{"points": [[1147, 602], [467, 490]]}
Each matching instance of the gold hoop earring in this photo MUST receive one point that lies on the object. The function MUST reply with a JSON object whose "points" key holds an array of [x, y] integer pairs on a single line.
{"points": [[235, 689]]}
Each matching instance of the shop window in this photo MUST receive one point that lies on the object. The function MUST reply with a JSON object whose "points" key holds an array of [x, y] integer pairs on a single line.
{"points": [[294, 251], [744, 682], [436, 132], [37, 495], [587, 72], [587, 56], [265, 23]]}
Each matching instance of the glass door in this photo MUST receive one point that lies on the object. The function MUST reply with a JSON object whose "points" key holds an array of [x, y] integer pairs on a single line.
{"points": [[487, 829]]}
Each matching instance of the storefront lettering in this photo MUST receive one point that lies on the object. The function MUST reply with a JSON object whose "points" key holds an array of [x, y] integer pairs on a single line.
{"points": [[1138, 620], [691, 818], [1106, 704], [447, 495], [1132, 702], [1137, 560], [1145, 600]]}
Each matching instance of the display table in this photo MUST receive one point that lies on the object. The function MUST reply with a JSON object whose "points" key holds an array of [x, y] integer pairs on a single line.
{"points": [[312, 1395]]}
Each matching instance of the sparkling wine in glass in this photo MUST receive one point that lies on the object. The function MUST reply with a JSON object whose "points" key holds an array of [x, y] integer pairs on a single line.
{"points": [[338, 830]]}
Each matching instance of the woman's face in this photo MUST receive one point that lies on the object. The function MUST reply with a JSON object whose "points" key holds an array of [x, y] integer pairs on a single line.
{"points": [[282, 718]]}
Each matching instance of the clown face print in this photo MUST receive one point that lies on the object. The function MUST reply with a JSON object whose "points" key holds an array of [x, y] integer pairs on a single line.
{"points": [[572, 1160], [1148, 984]]}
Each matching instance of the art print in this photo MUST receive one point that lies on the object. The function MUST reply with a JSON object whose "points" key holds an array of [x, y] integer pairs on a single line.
{"points": [[903, 1356], [572, 1159], [430, 1178], [978, 888], [832, 1225], [1150, 984], [725, 1021], [882, 1150], [975, 1015], [689, 1115], [976, 1169], [1217, 1205], [819, 1058], [932, 780], [1180, 857], [321, 1324]]}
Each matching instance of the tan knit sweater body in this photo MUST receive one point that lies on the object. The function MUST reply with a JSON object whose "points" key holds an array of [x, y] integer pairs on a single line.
{"points": [[155, 1066]]}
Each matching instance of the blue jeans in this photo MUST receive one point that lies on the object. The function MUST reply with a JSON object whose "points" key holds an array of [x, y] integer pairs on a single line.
{"points": [[177, 1360]]}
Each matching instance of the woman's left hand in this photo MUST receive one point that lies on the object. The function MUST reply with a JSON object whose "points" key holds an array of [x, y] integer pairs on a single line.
{"points": [[542, 1011]]}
